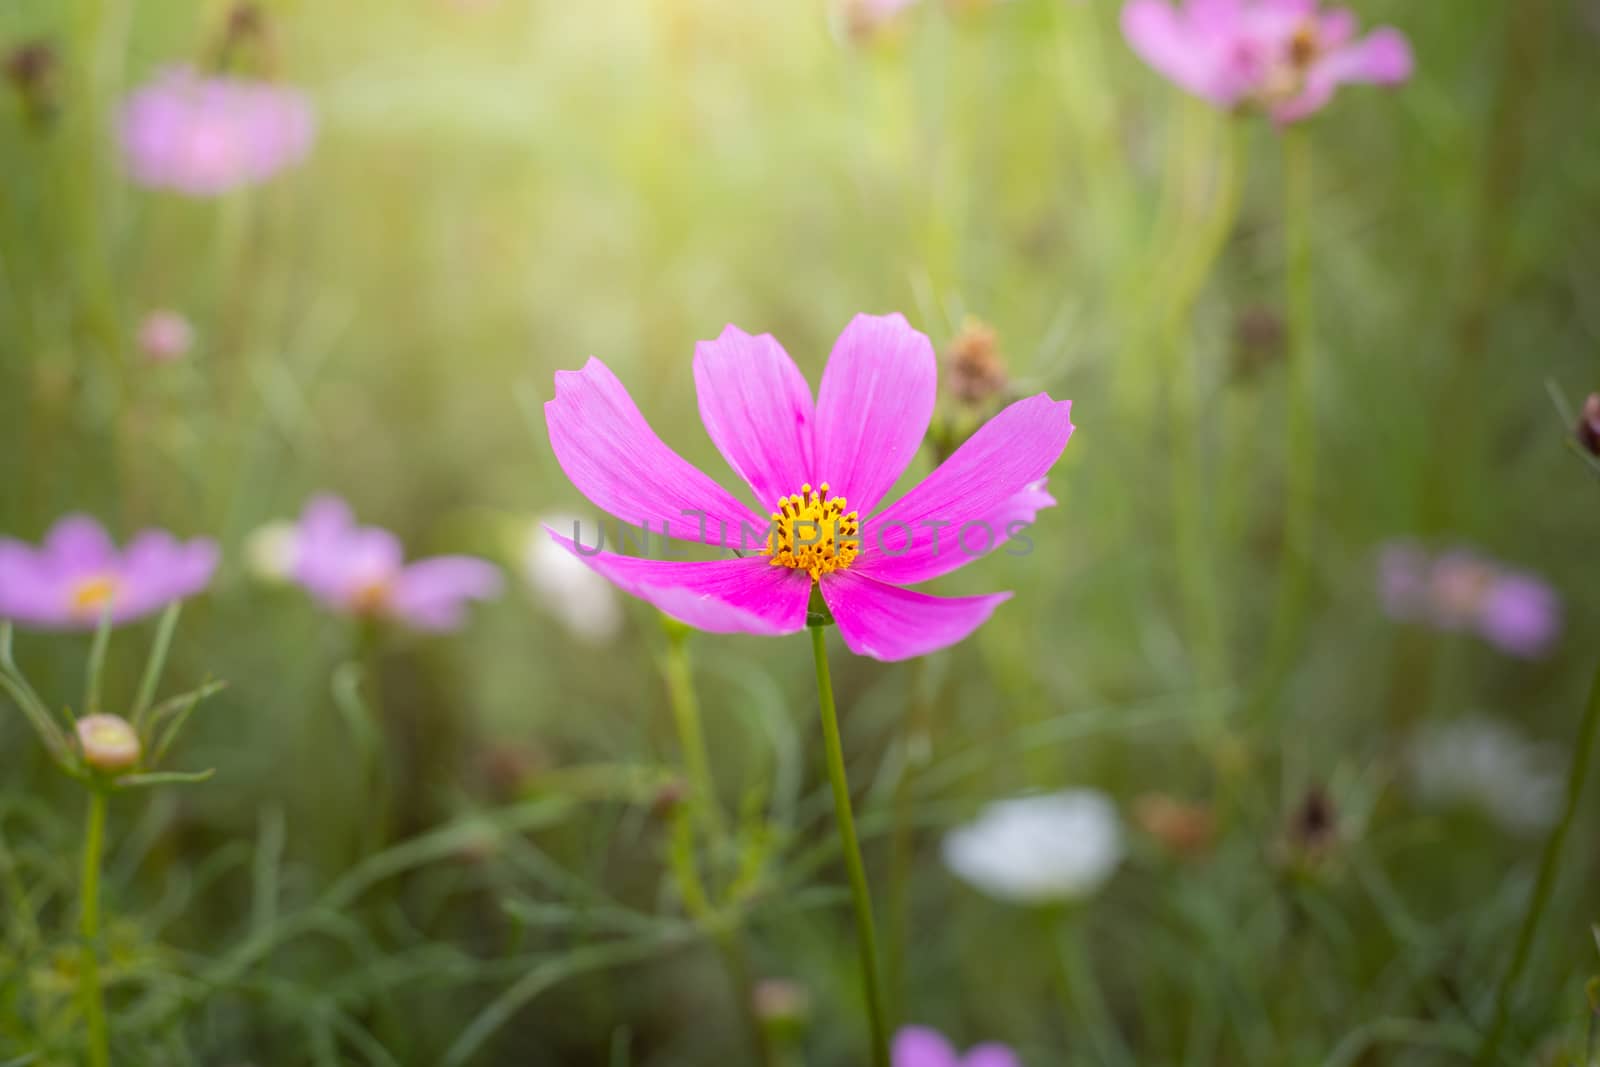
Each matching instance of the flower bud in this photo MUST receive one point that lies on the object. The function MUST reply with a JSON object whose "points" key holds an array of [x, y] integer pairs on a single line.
{"points": [[1183, 828], [165, 336], [271, 551], [782, 1006], [977, 369], [1259, 339], [32, 70], [1588, 429], [109, 742]]}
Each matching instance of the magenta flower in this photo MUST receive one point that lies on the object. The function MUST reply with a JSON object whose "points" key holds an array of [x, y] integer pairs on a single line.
{"points": [[207, 136], [1459, 590], [815, 467], [920, 1046], [70, 581], [361, 571], [1285, 56]]}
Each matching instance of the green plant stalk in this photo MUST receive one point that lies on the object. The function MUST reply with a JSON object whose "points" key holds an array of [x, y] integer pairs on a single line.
{"points": [[1299, 530], [704, 810], [692, 738], [89, 991], [1197, 582], [1549, 866], [900, 840], [866, 935]]}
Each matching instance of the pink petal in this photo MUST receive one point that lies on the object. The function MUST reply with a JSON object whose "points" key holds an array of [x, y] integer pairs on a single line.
{"points": [[989, 482], [889, 623], [873, 407], [1383, 57], [157, 569], [432, 594], [990, 1054], [615, 459], [1181, 50], [757, 408], [747, 596], [921, 1046], [78, 545]]}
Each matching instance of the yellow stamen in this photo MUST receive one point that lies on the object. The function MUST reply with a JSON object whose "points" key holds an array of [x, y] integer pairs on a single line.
{"points": [[370, 598], [89, 596], [813, 533]]}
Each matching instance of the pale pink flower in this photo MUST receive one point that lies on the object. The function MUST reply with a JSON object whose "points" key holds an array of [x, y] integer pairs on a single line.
{"points": [[1285, 56], [205, 136], [1460, 590]]}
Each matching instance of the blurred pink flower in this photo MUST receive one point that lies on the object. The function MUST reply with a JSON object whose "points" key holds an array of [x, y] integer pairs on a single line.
{"points": [[1286, 56], [361, 571], [921, 1046], [207, 136], [165, 336], [857, 438], [1459, 590], [69, 582]]}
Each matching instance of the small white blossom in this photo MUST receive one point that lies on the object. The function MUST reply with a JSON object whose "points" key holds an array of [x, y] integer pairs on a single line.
{"points": [[271, 550], [1060, 846], [1481, 763], [585, 603]]}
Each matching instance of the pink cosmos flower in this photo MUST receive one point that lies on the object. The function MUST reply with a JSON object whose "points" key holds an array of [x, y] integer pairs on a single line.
{"points": [[68, 582], [165, 336], [815, 467], [920, 1046], [1287, 56], [361, 571], [1459, 590], [207, 136]]}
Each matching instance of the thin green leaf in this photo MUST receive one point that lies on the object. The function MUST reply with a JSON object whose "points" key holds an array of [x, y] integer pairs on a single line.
{"points": [[97, 662], [139, 781], [155, 664]]}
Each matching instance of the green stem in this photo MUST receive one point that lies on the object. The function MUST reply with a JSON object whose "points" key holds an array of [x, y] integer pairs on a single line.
{"points": [[1300, 510], [94, 1008], [866, 936], [692, 737], [1196, 574], [913, 741], [704, 809], [1080, 991], [1549, 866]]}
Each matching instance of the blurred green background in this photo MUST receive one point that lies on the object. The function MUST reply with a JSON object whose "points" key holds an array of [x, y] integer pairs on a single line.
{"points": [[498, 191]]}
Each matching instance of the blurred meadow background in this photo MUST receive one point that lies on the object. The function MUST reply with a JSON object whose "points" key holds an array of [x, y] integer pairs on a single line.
{"points": [[1333, 806]]}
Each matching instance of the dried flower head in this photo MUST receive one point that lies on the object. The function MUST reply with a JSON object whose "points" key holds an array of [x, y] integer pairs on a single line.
{"points": [[976, 369], [1186, 829]]}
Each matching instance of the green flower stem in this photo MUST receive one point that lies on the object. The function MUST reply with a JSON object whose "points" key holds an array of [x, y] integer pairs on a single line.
{"points": [[94, 1008], [1197, 580], [866, 936], [692, 736], [1300, 515], [1549, 866], [704, 811]]}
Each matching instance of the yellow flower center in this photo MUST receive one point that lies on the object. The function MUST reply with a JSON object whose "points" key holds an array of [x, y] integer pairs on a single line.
{"points": [[89, 596], [813, 533], [370, 598], [1305, 46]]}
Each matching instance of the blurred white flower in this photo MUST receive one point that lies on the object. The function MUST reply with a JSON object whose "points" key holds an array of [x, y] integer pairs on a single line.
{"points": [[270, 551], [1478, 762], [585, 603], [1060, 846]]}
